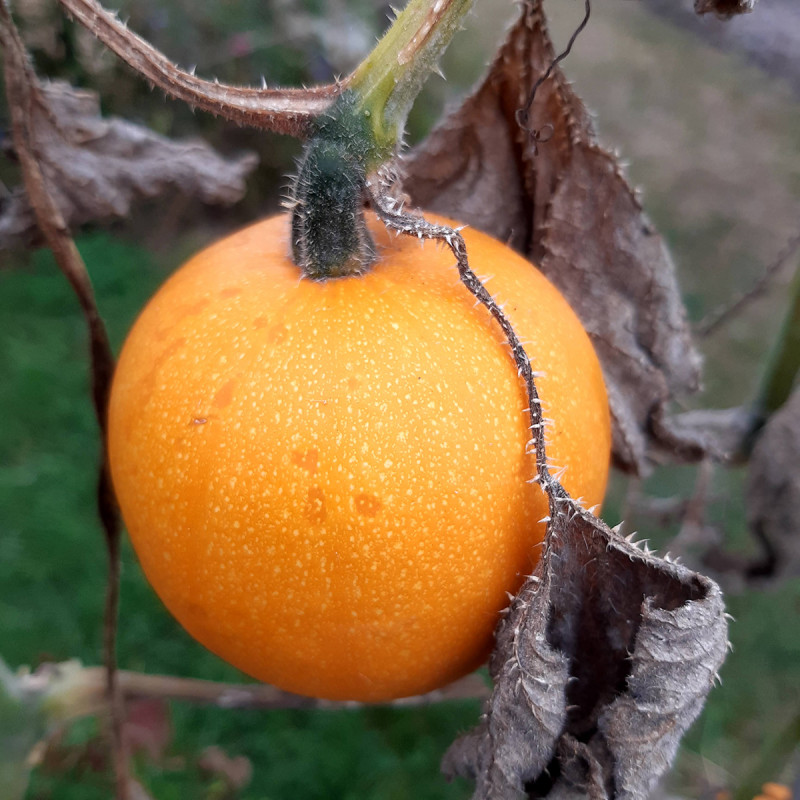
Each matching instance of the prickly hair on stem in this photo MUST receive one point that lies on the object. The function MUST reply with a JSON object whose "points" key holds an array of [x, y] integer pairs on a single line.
{"points": [[288, 111], [329, 234]]}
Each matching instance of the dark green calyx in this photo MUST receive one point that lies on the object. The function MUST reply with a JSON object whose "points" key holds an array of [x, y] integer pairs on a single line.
{"points": [[329, 233]]}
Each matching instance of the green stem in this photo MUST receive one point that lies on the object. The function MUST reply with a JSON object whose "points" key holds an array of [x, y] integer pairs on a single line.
{"points": [[388, 80], [784, 362], [360, 131]]}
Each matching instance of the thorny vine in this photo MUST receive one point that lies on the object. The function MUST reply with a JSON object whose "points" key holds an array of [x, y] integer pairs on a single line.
{"points": [[392, 215], [287, 111]]}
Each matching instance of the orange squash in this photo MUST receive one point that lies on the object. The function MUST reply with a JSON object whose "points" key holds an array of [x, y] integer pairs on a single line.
{"points": [[327, 482]]}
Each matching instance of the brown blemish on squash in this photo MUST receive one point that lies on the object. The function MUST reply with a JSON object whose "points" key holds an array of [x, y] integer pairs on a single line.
{"points": [[306, 459], [149, 381], [315, 505], [276, 334], [224, 394], [231, 291], [260, 322], [194, 308], [368, 505]]}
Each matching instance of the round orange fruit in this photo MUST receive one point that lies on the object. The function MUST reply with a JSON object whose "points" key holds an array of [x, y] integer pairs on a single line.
{"points": [[327, 483]]}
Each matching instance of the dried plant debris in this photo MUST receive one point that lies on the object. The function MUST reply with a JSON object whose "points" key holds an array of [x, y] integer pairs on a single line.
{"points": [[603, 661], [724, 8], [553, 194], [235, 772], [773, 493], [98, 168]]}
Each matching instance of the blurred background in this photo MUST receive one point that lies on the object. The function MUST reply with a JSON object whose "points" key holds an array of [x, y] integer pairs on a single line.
{"points": [[706, 116]]}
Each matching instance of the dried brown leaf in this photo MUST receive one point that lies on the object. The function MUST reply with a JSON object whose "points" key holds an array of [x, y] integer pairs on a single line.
{"points": [[96, 168], [773, 492], [602, 662], [570, 210]]}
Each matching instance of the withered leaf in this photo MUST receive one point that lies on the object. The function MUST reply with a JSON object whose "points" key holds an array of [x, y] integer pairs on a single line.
{"points": [[602, 662], [773, 493], [571, 212], [97, 168]]}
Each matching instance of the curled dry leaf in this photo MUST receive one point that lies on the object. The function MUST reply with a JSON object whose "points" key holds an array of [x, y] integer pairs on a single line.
{"points": [[773, 492], [563, 202], [97, 168], [602, 662]]}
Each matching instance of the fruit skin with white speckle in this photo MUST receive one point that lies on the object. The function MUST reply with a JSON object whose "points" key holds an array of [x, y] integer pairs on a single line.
{"points": [[327, 482]]}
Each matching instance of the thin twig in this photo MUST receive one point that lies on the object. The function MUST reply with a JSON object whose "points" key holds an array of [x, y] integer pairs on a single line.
{"points": [[23, 94], [261, 696], [694, 532], [523, 114], [288, 111], [716, 319]]}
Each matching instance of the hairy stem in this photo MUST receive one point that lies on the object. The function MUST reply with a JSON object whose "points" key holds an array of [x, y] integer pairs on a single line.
{"points": [[388, 80], [288, 111], [360, 131]]}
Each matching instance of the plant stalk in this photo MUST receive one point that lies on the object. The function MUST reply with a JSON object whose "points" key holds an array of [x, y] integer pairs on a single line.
{"points": [[361, 130], [389, 79], [783, 364]]}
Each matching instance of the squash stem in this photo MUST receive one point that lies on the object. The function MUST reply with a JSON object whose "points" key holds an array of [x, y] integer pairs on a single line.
{"points": [[389, 79], [361, 130]]}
